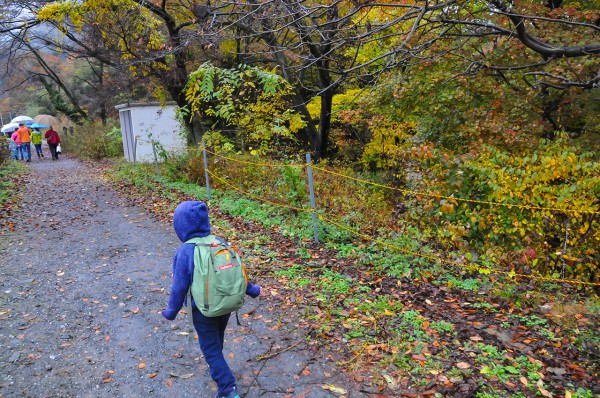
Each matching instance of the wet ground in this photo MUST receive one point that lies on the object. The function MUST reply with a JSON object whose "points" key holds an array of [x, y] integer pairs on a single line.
{"points": [[84, 275]]}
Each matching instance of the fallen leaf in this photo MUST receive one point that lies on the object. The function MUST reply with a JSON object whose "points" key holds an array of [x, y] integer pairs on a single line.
{"points": [[543, 391], [557, 371], [524, 381], [142, 365], [169, 383], [183, 376], [152, 375], [335, 389], [463, 365], [391, 382]]}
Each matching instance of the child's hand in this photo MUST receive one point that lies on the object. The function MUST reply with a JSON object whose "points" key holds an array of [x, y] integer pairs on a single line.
{"points": [[170, 315]]}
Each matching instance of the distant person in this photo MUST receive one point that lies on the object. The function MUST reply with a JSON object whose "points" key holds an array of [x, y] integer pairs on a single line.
{"points": [[18, 145], [12, 147], [25, 138], [53, 139], [190, 220], [36, 140]]}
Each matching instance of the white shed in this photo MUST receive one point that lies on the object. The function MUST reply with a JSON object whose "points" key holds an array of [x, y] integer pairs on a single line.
{"points": [[144, 123]]}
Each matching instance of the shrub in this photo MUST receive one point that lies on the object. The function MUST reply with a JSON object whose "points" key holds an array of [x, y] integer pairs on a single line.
{"points": [[553, 175], [95, 141], [4, 151]]}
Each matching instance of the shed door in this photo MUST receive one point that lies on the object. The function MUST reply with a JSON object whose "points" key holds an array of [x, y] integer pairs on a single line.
{"points": [[127, 134]]}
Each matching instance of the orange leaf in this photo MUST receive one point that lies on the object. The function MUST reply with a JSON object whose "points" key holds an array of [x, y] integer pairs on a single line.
{"points": [[524, 381]]}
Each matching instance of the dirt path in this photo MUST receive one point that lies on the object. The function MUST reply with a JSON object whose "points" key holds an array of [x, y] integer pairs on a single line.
{"points": [[83, 278]]}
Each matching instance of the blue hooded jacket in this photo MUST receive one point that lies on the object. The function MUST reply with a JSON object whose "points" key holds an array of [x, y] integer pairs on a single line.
{"points": [[190, 220]]}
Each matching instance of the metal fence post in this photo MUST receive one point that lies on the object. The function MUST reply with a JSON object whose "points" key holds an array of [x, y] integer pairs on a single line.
{"points": [[206, 171], [155, 159], [135, 141], [312, 197]]}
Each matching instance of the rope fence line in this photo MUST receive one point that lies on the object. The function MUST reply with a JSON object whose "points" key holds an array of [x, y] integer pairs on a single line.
{"points": [[295, 165], [299, 209], [438, 196], [437, 259], [408, 191], [470, 267]]}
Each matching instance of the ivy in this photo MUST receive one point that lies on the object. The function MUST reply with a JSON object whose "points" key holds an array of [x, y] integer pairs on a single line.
{"points": [[248, 100]]}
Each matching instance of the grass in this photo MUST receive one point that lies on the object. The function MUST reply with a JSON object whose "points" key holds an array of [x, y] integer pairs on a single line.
{"points": [[10, 173]]}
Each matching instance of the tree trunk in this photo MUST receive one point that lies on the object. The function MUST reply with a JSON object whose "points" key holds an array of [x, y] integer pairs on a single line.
{"points": [[321, 142]]}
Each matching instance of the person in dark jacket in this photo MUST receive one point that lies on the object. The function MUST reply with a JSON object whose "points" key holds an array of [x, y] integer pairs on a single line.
{"points": [[190, 220], [53, 140]]}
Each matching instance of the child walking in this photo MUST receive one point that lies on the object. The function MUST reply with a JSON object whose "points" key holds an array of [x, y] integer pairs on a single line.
{"points": [[36, 140], [190, 220]]}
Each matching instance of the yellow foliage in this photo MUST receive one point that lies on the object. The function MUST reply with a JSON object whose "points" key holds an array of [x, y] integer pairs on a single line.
{"points": [[388, 144], [140, 24], [340, 103]]}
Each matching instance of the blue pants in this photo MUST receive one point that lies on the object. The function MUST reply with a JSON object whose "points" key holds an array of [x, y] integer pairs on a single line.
{"points": [[13, 148], [26, 150], [19, 152], [211, 335], [38, 149]]}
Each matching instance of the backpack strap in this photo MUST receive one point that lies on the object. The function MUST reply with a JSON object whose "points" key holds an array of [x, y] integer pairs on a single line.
{"points": [[192, 330]]}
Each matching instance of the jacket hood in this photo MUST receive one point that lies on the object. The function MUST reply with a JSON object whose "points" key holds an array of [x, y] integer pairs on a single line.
{"points": [[190, 220]]}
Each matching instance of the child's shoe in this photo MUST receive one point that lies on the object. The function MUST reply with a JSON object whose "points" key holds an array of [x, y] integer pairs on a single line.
{"points": [[232, 394]]}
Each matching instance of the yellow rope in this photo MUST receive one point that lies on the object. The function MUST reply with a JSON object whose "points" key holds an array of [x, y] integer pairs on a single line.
{"points": [[455, 263], [254, 163], [407, 191], [434, 258], [256, 197]]}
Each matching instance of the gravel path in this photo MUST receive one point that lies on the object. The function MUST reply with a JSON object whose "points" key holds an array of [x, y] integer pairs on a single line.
{"points": [[83, 277]]}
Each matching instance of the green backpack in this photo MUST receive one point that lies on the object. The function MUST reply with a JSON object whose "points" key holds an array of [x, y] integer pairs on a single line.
{"points": [[220, 280]]}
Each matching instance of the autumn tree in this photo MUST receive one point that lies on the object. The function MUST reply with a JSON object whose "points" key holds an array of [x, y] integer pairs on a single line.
{"points": [[322, 47], [151, 41]]}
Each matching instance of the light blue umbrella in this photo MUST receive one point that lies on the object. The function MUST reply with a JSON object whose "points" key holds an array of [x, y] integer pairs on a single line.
{"points": [[38, 126]]}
